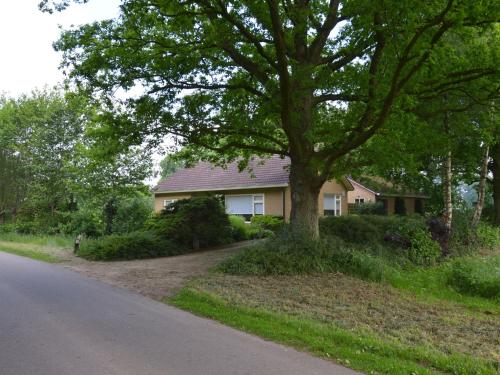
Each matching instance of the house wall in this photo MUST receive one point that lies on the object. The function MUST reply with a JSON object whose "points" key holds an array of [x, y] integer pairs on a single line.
{"points": [[273, 198], [330, 187], [360, 192]]}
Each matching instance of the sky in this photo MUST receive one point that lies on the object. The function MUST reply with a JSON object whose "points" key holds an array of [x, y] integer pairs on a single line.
{"points": [[27, 59]]}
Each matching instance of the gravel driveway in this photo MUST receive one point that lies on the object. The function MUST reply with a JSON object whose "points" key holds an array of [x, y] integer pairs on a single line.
{"points": [[155, 278]]}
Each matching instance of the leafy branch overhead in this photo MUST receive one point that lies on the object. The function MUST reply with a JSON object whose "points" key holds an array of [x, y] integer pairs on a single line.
{"points": [[256, 74], [313, 80]]}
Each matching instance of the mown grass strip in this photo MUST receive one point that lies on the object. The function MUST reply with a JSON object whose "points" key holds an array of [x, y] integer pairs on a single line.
{"points": [[30, 254], [359, 351], [42, 240]]}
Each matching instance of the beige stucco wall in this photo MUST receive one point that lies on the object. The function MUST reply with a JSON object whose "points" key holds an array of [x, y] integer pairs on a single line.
{"points": [[360, 192], [273, 198], [330, 187]]}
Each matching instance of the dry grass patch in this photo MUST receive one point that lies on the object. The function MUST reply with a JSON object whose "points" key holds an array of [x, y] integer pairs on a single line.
{"points": [[360, 306]]}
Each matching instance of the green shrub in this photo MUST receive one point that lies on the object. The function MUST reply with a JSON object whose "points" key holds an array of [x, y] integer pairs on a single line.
{"points": [[476, 276], [84, 221], [464, 238], [135, 245], [269, 222], [424, 251], [288, 253], [132, 214], [7, 228], [488, 236], [351, 229], [370, 208], [196, 222], [240, 230], [360, 264], [292, 253]]}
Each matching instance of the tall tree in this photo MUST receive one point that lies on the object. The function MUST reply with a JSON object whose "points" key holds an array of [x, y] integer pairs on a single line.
{"points": [[312, 80]]}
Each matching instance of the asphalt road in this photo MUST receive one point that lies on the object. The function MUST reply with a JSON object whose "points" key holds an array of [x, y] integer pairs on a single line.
{"points": [[55, 322]]}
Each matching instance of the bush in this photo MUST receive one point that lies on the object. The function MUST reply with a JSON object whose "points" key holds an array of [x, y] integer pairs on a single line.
{"points": [[488, 235], [424, 251], [196, 222], [370, 208], [292, 253], [132, 214], [351, 229], [269, 222], [136, 245], [360, 264], [476, 276], [240, 230], [464, 238], [85, 221], [7, 228], [288, 253]]}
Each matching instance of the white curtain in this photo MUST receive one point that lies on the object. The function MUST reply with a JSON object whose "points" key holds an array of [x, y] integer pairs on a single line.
{"points": [[239, 204]]}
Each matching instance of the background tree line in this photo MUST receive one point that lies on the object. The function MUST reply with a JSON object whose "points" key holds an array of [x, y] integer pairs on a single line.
{"points": [[53, 176]]}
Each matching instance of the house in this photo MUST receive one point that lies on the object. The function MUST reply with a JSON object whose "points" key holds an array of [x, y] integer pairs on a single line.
{"points": [[392, 196], [264, 191]]}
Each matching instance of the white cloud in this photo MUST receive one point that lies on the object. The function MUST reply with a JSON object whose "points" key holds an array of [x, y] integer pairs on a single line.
{"points": [[26, 35]]}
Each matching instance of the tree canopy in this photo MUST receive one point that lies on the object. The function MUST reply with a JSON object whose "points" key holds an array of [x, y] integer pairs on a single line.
{"points": [[313, 80]]}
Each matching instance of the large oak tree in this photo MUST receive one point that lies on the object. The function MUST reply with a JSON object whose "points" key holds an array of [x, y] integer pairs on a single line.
{"points": [[309, 79]]}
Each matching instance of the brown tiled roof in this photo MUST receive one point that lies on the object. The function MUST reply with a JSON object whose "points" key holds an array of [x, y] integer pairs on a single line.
{"points": [[204, 176]]}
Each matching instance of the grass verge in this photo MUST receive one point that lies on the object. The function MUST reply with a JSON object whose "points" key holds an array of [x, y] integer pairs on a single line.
{"points": [[33, 254], [54, 241], [360, 351]]}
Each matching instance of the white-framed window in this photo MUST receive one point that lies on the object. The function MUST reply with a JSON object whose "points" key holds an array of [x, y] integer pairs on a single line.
{"points": [[359, 200], [246, 205], [168, 202], [332, 205]]}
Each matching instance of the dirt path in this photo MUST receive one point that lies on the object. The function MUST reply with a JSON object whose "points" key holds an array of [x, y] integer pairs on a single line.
{"points": [[155, 278]]}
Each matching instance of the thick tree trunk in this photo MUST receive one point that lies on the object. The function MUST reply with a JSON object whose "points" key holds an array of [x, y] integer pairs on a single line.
{"points": [[481, 188], [305, 192], [495, 154]]}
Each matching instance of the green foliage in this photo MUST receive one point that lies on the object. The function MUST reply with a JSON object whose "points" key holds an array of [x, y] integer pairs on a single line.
{"points": [[135, 245], [464, 238], [476, 276], [84, 221], [132, 213], [194, 222], [343, 74], [288, 253], [488, 235], [353, 228], [370, 208], [424, 251], [361, 264], [240, 230], [269, 222]]}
